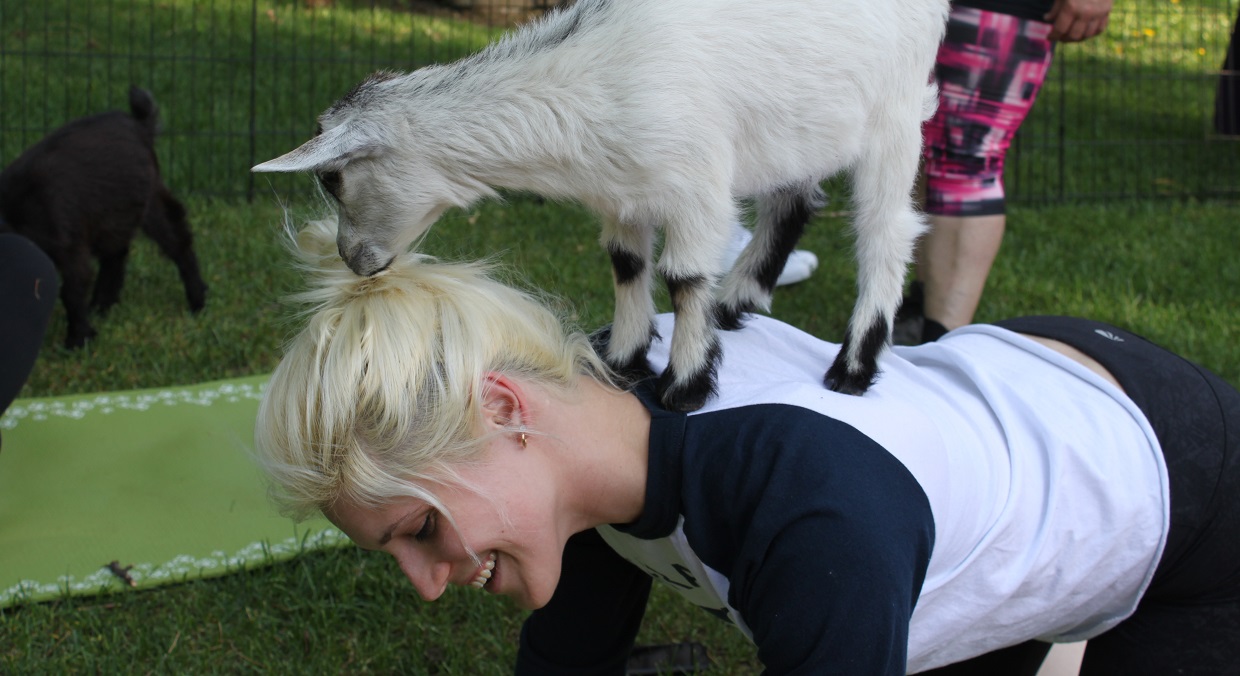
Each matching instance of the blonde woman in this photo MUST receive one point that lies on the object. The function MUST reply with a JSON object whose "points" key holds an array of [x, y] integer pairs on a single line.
{"points": [[991, 489]]}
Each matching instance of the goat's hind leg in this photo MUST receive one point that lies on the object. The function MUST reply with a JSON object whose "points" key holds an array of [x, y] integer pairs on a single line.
{"points": [[631, 248], [75, 271], [886, 226], [781, 220], [110, 280]]}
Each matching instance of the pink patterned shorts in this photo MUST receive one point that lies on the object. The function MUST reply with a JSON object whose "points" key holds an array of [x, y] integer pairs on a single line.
{"points": [[990, 69]]}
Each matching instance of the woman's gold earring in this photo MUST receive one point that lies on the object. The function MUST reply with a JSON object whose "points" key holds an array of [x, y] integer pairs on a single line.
{"points": [[524, 440]]}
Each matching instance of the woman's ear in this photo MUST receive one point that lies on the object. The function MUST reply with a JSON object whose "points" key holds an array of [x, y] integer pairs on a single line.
{"points": [[503, 403]]}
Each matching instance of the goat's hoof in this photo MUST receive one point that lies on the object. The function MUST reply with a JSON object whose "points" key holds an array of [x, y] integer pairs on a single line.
{"points": [[633, 369], [688, 396], [845, 380], [78, 339], [839, 379], [634, 373], [197, 301], [730, 318]]}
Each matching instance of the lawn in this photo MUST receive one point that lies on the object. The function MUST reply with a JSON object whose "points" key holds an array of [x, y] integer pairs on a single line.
{"points": [[238, 81], [1129, 113]]}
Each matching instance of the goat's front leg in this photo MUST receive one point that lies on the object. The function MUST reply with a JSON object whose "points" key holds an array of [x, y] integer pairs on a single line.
{"points": [[631, 248], [690, 264], [75, 269], [166, 223]]}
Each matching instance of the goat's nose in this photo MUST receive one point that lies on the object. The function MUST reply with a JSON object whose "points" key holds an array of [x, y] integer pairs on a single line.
{"points": [[363, 260], [347, 251]]}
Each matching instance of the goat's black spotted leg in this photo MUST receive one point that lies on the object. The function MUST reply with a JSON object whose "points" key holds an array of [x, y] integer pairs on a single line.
{"points": [[633, 329]]}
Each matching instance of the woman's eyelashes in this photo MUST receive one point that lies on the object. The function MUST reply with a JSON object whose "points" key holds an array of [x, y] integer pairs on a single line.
{"points": [[428, 527]]}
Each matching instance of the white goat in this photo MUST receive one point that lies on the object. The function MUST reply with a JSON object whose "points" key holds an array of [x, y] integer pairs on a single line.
{"points": [[660, 114]]}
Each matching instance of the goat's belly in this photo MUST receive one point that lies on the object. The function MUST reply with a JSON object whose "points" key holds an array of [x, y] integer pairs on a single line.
{"points": [[759, 176], [813, 147]]}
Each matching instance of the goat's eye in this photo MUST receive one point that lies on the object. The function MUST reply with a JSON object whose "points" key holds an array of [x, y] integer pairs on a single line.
{"points": [[331, 183]]}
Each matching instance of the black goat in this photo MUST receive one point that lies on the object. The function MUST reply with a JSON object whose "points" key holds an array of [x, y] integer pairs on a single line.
{"points": [[82, 192]]}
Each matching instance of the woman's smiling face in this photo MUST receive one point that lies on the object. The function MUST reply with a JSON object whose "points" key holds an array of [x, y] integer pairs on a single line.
{"points": [[510, 522]]}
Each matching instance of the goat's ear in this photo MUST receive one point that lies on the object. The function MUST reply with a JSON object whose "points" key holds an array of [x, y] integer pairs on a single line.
{"points": [[321, 151]]}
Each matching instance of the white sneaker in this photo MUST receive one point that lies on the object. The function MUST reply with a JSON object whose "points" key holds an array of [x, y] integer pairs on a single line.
{"points": [[799, 266]]}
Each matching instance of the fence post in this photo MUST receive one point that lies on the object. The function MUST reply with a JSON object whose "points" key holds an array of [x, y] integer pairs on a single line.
{"points": [[1063, 125], [249, 191]]}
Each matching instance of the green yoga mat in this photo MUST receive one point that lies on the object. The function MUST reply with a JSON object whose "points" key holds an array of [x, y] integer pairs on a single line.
{"points": [[160, 480]]}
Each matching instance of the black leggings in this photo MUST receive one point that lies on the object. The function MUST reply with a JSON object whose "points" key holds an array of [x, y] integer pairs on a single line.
{"points": [[28, 289], [1188, 621]]}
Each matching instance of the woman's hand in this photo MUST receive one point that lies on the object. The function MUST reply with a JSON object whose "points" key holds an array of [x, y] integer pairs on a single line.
{"points": [[1077, 20]]}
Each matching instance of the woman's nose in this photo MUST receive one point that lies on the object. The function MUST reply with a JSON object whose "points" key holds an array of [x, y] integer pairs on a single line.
{"points": [[428, 577]]}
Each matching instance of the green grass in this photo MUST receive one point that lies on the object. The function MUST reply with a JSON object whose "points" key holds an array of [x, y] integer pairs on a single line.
{"points": [[237, 82], [1166, 270], [1129, 113]]}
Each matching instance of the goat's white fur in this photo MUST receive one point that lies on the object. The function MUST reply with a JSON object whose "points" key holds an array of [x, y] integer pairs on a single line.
{"points": [[656, 114]]}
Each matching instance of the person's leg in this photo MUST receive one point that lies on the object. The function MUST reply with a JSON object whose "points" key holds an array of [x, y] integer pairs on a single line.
{"points": [[990, 69], [1188, 621], [1227, 94], [29, 287], [953, 263]]}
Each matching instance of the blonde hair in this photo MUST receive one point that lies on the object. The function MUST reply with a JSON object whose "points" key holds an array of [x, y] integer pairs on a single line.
{"points": [[382, 385]]}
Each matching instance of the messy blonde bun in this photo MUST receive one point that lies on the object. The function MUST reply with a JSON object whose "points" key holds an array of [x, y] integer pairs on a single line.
{"points": [[381, 385]]}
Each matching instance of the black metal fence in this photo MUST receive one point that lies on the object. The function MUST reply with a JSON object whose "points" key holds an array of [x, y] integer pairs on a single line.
{"points": [[1132, 112], [1128, 114]]}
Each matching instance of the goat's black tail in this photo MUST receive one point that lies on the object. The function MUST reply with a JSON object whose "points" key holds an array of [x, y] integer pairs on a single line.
{"points": [[142, 106]]}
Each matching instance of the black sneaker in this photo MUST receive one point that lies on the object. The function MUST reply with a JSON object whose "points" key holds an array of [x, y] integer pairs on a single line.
{"points": [[910, 317]]}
